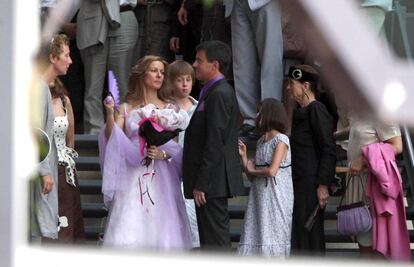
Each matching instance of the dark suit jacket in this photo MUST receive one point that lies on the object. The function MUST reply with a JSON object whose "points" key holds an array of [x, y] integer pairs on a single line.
{"points": [[211, 162]]}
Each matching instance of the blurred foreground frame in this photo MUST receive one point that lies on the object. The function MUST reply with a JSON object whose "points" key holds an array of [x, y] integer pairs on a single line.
{"points": [[356, 64]]}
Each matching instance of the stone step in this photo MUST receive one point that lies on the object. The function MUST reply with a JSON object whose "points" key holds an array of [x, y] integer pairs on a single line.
{"points": [[94, 186], [331, 235], [98, 210], [86, 141], [90, 163], [87, 146], [90, 186]]}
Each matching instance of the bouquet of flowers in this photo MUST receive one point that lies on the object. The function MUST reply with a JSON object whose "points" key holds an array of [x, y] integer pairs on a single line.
{"points": [[158, 126]]}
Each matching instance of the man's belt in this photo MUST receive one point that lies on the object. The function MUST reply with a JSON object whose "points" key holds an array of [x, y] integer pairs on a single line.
{"points": [[125, 8], [155, 2]]}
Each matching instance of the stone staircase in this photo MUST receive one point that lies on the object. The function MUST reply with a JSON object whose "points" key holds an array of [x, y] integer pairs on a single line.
{"points": [[95, 213]]}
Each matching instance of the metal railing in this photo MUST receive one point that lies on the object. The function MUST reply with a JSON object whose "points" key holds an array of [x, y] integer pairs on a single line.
{"points": [[401, 16], [408, 155]]}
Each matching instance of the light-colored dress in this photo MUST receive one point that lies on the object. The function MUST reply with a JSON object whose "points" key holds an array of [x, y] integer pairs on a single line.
{"points": [[189, 203], [71, 226], [65, 154], [146, 207], [268, 218], [364, 132]]}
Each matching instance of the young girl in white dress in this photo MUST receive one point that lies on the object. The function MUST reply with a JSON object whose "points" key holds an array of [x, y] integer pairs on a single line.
{"points": [[268, 218]]}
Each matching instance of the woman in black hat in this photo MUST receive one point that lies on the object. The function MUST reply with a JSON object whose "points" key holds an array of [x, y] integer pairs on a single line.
{"points": [[313, 161]]}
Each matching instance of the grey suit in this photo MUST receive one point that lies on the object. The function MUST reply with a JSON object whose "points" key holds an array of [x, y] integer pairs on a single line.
{"points": [[155, 30], [45, 208], [257, 46], [104, 46]]}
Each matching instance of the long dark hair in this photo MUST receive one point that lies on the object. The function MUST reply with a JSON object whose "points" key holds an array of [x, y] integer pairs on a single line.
{"points": [[57, 89], [271, 116]]}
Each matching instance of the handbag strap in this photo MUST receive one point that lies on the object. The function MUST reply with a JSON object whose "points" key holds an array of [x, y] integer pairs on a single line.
{"points": [[346, 188]]}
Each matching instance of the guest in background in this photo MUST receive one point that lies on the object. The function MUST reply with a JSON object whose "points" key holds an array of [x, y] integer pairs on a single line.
{"points": [[155, 21], [71, 227], [104, 46], [58, 210], [363, 132], [257, 45], [313, 160]]}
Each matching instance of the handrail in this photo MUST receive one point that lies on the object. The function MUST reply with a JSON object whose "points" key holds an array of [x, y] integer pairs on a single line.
{"points": [[408, 154]]}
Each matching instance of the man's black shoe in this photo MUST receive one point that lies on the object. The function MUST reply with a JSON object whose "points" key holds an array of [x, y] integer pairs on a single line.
{"points": [[245, 128], [248, 133]]}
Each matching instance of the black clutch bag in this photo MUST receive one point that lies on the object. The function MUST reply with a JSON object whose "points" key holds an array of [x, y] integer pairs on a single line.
{"points": [[312, 218]]}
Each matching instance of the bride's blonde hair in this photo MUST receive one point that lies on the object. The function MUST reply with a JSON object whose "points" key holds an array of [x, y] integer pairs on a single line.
{"points": [[136, 87]]}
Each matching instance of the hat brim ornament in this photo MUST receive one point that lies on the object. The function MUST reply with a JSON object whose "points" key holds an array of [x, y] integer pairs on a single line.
{"points": [[302, 75]]}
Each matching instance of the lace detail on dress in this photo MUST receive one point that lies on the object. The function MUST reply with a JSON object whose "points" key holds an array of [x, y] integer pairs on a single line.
{"points": [[65, 154]]}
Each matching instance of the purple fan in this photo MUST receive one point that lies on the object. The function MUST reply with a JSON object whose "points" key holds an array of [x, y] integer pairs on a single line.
{"points": [[113, 87]]}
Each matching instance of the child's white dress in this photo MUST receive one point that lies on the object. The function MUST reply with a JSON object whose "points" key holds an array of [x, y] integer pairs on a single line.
{"points": [[268, 218]]}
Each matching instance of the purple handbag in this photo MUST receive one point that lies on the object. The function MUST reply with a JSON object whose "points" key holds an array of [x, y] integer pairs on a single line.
{"points": [[354, 218]]}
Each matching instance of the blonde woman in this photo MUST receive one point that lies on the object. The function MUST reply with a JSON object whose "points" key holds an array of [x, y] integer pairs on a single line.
{"points": [[146, 207]]}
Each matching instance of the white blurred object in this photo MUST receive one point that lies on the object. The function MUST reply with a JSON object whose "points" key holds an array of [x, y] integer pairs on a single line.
{"points": [[47, 3], [42, 140], [133, 3], [62, 12], [394, 95], [357, 64], [73, 8], [63, 222], [384, 4]]}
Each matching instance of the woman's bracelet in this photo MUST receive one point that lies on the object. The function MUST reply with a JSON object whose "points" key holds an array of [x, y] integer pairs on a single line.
{"points": [[164, 154]]}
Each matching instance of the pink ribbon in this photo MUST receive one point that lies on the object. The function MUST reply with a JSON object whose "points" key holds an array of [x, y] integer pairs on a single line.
{"points": [[156, 126]]}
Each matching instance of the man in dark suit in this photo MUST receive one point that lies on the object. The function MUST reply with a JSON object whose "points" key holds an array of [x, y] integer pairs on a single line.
{"points": [[211, 163]]}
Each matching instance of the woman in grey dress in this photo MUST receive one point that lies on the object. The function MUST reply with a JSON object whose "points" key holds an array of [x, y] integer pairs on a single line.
{"points": [[268, 219]]}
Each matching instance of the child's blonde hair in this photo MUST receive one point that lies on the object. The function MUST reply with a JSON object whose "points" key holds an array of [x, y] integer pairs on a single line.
{"points": [[176, 69]]}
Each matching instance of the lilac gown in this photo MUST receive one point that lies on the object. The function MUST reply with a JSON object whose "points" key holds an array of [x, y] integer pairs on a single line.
{"points": [[146, 208]]}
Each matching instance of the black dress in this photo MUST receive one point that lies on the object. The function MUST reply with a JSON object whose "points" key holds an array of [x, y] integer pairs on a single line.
{"points": [[313, 163]]}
